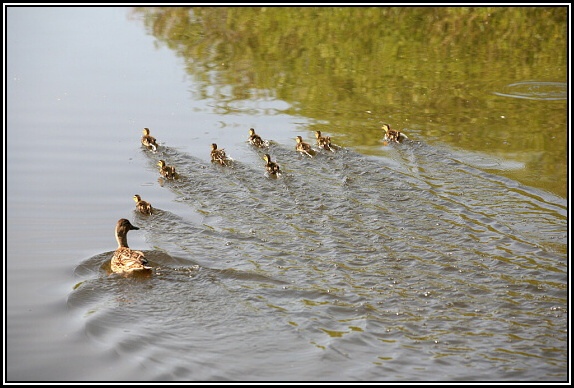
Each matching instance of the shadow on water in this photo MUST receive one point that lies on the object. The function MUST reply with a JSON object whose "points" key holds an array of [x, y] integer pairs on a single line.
{"points": [[381, 266]]}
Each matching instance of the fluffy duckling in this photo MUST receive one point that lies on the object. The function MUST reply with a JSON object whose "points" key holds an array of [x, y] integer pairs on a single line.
{"points": [[148, 140], [126, 260], [271, 167], [166, 171], [304, 148], [393, 135], [218, 155], [256, 140], [324, 142], [142, 206]]}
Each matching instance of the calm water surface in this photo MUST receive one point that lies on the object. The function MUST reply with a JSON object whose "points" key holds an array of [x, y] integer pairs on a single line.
{"points": [[421, 261]]}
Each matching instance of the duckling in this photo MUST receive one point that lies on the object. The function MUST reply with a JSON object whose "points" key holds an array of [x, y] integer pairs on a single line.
{"points": [[393, 135], [218, 155], [148, 140], [256, 140], [142, 206], [126, 260], [324, 142], [304, 148], [271, 167], [166, 171]]}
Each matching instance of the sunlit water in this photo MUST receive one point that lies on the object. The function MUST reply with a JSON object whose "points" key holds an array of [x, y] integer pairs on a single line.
{"points": [[411, 266]]}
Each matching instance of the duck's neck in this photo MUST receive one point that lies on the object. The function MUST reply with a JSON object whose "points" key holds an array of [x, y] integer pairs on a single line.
{"points": [[122, 240]]}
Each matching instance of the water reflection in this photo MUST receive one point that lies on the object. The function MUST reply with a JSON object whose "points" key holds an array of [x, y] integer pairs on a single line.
{"points": [[430, 71], [411, 262], [534, 90]]}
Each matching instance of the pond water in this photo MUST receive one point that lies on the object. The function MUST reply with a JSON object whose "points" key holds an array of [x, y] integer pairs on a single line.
{"points": [[442, 258]]}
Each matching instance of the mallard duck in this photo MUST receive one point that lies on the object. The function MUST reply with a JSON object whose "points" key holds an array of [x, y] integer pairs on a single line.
{"points": [[324, 142], [144, 207], [148, 140], [393, 135], [271, 167], [218, 155], [166, 171], [304, 148], [126, 260], [256, 140]]}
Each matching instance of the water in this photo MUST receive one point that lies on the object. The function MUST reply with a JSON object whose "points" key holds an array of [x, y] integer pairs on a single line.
{"points": [[404, 262]]}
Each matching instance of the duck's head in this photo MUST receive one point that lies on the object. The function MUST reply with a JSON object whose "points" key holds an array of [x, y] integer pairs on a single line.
{"points": [[161, 163], [267, 158], [124, 225], [317, 134], [386, 127], [251, 131], [213, 146], [299, 139], [137, 198], [146, 131]]}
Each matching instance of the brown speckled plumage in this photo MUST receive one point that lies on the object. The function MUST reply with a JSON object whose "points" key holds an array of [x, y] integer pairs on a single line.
{"points": [[392, 134], [142, 206], [148, 140], [255, 139], [304, 148], [166, 171], [218, 155], [271, 167], [126, 260]]}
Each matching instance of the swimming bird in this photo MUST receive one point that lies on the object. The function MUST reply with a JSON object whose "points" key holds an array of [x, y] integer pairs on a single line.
{"points": [[218, 155], [393, 135], [304, 148], [324, 141], [166, 171], [271, 167], [126, 260], [142, 206], [256, 140], [148, 140]]}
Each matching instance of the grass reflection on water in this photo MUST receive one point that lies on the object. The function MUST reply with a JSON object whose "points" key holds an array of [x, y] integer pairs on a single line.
{"points": [[433, 71]]}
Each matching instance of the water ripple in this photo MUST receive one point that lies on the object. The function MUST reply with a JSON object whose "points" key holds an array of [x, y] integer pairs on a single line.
{"points": [[387, 268], [535, 90]]}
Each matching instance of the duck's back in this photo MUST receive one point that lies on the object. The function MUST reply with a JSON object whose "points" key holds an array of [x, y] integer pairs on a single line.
{"points": [[126, 260]]}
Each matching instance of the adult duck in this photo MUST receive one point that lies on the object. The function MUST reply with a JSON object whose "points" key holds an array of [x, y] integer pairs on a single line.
{"points": [[126, 260]]}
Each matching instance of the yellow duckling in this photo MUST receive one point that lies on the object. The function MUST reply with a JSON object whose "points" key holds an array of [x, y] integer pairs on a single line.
{"points": [[126, 260], [271, 167], [218, 155], [304, 148], [256, 140], [142, 206], [324, 142], [148, 140], [166, 171], [393, 135]]}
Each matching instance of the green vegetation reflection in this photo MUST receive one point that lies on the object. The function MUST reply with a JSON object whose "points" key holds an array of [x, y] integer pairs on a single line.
{"points": [[433, 72]]}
